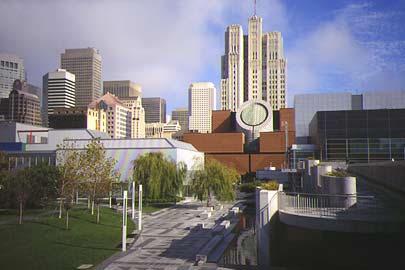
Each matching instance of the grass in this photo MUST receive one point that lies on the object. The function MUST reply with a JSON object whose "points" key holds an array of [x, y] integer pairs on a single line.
{"points": [[45, 244]]}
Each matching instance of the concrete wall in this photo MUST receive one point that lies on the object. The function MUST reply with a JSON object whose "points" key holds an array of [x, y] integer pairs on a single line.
{"points": [[387, 174], [266, 210]]}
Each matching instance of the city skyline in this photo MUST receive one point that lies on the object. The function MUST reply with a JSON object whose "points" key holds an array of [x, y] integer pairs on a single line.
{"points": [[330, 47]]}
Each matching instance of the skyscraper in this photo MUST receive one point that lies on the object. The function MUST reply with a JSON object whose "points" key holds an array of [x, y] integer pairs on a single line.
{"points": [[155, 109], [253, 67], [274, 70], [232, 69], [181, 115], [137, 116], [122, 89], [59, 92], [11, 69], [254, 58], [85, 64], [201, 102]]}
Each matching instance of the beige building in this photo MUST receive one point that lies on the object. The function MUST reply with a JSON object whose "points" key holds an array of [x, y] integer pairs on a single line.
{"points": [[155, 130], [137, 116], [231, 87], [118, 115], [122, 89], [274, 71], [201, 103], [262, 70], [85, 64], [254, 58]]}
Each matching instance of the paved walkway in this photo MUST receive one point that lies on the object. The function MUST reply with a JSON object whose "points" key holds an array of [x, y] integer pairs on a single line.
{"points": [[170, 240]]}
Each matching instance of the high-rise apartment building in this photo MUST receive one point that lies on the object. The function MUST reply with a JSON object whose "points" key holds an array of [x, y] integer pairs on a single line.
{"points": [[253, 67], [232, 69], [201, 103], [118, 115], [11, 69], [155, 109], [59, 92], [85, 64], [23, 107], [33, 89], [274, 71], [122, 89]]}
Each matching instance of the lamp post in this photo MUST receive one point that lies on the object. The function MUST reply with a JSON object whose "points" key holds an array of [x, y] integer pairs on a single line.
{"points": [[124, 220], [133, 199], [286, 143], [140, 208]]}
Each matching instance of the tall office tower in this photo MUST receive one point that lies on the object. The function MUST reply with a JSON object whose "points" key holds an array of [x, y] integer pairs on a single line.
{"points": [[118, 115], [86, 65], [232, 94], [155, 109], [201, 103], [181, 115], [59, 92], [23, 106], [254, 58], [11, 69], [122, 89], [274, 71], [137, 116]]}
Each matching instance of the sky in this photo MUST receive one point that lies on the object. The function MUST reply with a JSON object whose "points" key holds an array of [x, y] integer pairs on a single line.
{"points": [[164, 45]]}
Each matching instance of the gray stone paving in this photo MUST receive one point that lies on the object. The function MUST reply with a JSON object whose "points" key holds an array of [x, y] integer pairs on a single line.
{"points": [[170, 240]]}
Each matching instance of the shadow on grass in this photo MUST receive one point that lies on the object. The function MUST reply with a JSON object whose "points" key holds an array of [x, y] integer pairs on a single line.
{"points": [[84, 246]]}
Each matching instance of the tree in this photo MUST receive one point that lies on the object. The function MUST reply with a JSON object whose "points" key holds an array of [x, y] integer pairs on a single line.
{"points": [[71, 173], [44, 183], [99, 173], [20, 187], [160, 177], [214, 179]]}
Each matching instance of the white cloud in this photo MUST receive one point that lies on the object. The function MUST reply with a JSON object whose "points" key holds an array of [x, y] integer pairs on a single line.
{"points": [[160, 44], [347, 52]]}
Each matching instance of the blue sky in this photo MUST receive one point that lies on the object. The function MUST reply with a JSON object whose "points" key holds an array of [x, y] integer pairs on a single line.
{"points": [[165, 45]]}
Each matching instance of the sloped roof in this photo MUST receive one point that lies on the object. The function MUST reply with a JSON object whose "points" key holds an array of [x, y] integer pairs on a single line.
{"points": [[109, 99]]}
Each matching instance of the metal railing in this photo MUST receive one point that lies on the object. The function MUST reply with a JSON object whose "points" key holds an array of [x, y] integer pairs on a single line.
{"points": [[325, 205]]}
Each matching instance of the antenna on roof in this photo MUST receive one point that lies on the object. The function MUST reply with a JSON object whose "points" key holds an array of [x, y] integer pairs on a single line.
{"points": [[254, 7]]}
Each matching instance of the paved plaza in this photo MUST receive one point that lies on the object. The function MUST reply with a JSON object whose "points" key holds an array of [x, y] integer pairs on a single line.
{"points": [[170, 240]]}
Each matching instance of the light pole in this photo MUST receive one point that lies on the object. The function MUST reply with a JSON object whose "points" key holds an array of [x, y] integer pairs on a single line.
{"points": [[124, 220], [133, 199], [286, 143], [140, 208]]}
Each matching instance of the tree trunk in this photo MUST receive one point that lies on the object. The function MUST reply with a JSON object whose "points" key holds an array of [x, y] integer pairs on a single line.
{"points": [[67, 219], [92, 207], [21, 209], [98, 213], [60, 208], [88, 202]]}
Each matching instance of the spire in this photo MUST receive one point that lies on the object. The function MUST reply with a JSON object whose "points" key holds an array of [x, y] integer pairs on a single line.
{"points": [[254, 5]]}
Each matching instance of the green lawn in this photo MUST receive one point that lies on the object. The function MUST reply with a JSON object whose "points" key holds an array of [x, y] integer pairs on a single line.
{"points": [[45, 244]]}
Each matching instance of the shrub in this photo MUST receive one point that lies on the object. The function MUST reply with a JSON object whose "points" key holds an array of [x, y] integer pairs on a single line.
{"points": [[338, 173], [270, 185], [249, 187]]}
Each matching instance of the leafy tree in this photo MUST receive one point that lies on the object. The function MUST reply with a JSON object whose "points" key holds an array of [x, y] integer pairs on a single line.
{"points": [[44, 182], [71, 172], [99, 173], [214, 179], [3, 161], [160, 177]]}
